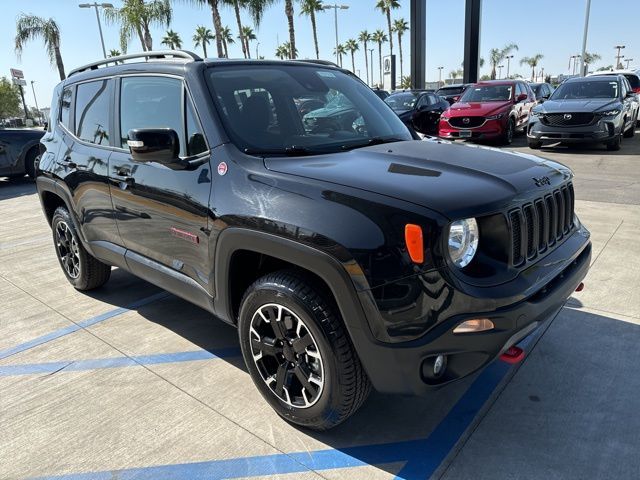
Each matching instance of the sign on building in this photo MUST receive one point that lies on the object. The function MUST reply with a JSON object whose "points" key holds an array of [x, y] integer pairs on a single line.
{"points": [[389, 72], [18, 74]]}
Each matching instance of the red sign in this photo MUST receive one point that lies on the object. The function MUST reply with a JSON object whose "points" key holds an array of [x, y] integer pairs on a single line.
{"points": [[15, 73]]}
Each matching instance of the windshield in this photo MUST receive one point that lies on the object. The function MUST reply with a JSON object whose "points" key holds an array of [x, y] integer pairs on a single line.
{"points": [[586, 89], [299, 110], [401, 101], [450, 90], [487, 93]]}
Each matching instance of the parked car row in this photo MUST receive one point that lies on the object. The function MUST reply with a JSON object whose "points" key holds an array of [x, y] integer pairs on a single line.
{"points": [[600, 108]]}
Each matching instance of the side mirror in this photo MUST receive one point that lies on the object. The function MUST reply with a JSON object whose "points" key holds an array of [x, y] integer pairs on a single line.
{"points": [[631, 94], [542, 99], [160, 145], [522, 97]]}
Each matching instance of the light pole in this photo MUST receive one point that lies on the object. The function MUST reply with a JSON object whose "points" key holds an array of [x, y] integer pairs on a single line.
{"points": [[96, 5], [584, 37], [628, 60], [335, 8], [257, 45], [508, 57], [371, 63], [618, 56], [35, 100], [500, 71], [440, 76]]}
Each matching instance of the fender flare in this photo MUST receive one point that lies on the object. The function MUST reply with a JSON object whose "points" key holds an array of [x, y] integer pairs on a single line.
{"points": [[329, 269], [22, 155]]}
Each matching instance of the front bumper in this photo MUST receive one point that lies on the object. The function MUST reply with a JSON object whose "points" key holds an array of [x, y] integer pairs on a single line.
{"points": [[489, 130], [404, 367], [602, 131]]}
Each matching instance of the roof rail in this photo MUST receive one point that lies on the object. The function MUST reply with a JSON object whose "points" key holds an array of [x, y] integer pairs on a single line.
{"points": [[318, 62], [148, 55]]}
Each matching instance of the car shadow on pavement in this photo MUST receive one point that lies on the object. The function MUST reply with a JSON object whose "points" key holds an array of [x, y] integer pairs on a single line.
{"points": [[16, 187]]}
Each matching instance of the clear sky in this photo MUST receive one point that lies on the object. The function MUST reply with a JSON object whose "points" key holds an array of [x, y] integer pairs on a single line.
{"points": [[550, 27]]}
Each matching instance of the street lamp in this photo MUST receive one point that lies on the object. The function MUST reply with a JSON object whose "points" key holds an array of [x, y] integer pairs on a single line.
{"points": [[35, 99], [508, 57], [371, 63], [440, 76], [335, 8], [500, 71], [618, 56], [628, 60], [96, 5]]}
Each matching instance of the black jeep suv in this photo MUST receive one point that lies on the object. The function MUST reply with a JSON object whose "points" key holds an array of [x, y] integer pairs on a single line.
{"points": [[348, 257]]}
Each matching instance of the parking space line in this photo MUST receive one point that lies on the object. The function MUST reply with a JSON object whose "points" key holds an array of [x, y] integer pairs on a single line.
{"points": [[422, 456], [7, 352], [117, 362]]}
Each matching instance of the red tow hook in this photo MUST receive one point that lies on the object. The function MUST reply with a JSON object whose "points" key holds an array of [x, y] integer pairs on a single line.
{"points": [[580, 287], [512, 355]]}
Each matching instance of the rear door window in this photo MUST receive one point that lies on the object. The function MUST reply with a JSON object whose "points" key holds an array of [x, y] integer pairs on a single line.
{"points": [[65, 108], [92, 118]]}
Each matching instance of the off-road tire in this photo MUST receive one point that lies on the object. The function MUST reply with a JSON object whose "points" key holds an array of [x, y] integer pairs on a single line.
{"points": [[346, 385], [92, 273]]}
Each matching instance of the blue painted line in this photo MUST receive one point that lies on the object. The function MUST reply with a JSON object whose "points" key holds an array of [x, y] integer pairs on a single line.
{"points": [[117, 362], [75, 327]]}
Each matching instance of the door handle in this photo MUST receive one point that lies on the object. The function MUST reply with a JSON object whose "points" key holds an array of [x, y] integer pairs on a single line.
{"points": [[125, 175]]}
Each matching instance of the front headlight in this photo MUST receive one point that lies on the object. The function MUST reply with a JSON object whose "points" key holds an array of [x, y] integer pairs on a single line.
{"points": [[537, 113], [609, 113], [463, 241], [495, 117]]}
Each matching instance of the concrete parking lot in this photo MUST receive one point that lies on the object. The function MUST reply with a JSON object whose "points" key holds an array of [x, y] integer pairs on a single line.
{"points": [[131, 382]]}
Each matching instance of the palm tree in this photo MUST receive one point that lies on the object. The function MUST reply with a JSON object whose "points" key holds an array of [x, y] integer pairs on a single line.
{"points": [[400, 26], [496, 55], [455, 74], [352, 46], [248, 35], [532, 62], [227, 38], [30, 27], [365, 37], [172, 40], [136, 16], [237, 5], [284, 51], [203, 36], [217, 22], [589, 59], [114, 53], [405, 82], [385, 6], [340, 50], [288, 10], [310, 7], [379, 37]]}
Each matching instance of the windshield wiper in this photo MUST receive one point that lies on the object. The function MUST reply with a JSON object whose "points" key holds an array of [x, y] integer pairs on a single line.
{"points": [[291, 151], [372, 141]]}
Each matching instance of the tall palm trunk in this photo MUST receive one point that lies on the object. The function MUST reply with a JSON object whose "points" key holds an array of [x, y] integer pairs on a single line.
{"points": [[400, 48], [148, 41], [248, 50], [204, 49], [288, 10], [315, 35], [236, 7], [533, 72], [366, 62], [390, 32], [353, 62], [380, 60], [217, 26], [141, 37], [224, 46], [59, 63]]}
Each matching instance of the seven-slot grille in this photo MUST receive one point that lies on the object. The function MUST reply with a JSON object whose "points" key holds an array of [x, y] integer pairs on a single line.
{"points": [[539, 225], [567, 119]]}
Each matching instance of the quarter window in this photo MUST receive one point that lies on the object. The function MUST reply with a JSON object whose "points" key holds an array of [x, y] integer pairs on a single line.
{"points": [[151, 102], [195, 138], [93, 100], [65, 108]]}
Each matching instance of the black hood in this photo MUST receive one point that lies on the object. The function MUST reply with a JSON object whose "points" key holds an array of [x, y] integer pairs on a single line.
{"points": [[453, 179], [589, 105]]}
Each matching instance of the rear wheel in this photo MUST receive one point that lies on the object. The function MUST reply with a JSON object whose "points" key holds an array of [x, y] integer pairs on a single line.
{"points": [[298, 353], [82, 270], [30, 160]]}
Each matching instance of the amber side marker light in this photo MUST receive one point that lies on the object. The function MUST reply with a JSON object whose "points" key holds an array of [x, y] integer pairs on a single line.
{"points": [[475, 325], [414, 241]]}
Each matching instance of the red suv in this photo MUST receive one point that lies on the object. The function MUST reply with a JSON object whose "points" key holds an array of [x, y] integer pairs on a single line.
{"points": [[490, 110]]}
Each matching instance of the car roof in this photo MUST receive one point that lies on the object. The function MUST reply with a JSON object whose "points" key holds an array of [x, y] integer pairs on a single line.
{"points": [[455, 85], [496, 82], [601, 78], [613, 72]]}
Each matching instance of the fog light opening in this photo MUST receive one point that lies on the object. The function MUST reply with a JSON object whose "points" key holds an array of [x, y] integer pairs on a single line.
{"points": [[434, 367], [580, 287], [438, 365], [474, 325]]}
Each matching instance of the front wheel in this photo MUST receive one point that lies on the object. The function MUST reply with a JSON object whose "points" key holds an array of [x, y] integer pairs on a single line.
{"points": [[82, 270], [615, 144], [298, 352], [631, 131], [507, 136]]}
